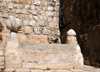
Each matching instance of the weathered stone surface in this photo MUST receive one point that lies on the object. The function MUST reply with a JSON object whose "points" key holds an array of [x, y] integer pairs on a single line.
{"points": [[1, 53], [16, 5], [37, 30], [37, 2], [9, 70], [33, 12], [28, 30], [22, 38], [32, 23], [22, 1], [33, 7], [30, 2], [50, 13], [53, 24], [37, 70], [46, 31], [54, 56], [14, 23], [22, 70], [10, 5], [27, 6], [50, 8], [3, 4], [5, 15], [5, 29], [12, 57], [37, 39], [21, 11], [26, 22]]}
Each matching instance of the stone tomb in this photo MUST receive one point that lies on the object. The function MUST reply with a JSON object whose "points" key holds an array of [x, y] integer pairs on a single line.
{"points": [[41, 56]]}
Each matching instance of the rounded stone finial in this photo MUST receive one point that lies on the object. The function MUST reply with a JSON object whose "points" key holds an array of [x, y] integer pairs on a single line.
{"points": [[14, 24], [71, 32]]}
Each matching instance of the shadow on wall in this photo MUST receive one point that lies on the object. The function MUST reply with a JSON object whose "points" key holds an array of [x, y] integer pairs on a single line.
{"points": [[84, 16]]}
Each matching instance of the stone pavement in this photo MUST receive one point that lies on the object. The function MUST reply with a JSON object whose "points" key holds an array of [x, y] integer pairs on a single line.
{"points": [[84, 69]]}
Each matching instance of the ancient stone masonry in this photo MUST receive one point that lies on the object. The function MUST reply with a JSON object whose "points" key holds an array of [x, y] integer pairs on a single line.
{"points": [[39, 17]]}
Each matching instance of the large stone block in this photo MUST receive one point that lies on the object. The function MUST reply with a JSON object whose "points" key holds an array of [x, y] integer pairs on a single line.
{"points": [[37, 39], [12, 56], [54, 56]]}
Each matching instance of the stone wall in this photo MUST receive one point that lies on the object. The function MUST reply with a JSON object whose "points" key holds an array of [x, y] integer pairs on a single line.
{"points": [[84, 16], [39, 17]]}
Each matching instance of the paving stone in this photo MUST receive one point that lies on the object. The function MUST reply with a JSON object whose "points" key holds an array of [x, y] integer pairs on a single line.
{"points": [[22, 70], [37, 71], [63, 71]]}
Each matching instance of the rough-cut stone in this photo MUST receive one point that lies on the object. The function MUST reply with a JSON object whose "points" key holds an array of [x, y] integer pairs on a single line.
{"points": [[33, 7], [50, 13], [21, 6], [37, 2], [16, 1], [37, 39], [32, 23], [37, 30], [22, 1], [16, 5], [28, 30], [46, 31], [5, 29], [37, 70], [25, 22], [30, 2], [5, 10], [21, 11], [12, 11], [27, 6], [1, 53], [10, 5], [3, 4], [53, 24], [44, 3], [22, 38], [5, 15], [50, 8], [33, 12]]}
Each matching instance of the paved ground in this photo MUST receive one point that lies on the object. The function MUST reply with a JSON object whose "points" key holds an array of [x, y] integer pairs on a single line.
{"points": [[85, 69]]}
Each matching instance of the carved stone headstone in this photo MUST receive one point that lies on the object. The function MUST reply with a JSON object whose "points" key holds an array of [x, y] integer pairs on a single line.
{"points": [[71, 39], [12, 58]]}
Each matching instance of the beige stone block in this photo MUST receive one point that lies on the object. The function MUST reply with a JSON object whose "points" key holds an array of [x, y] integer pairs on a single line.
{"points": [[22, 38], [21, 30], [63, 71], [37, 39], [1, 53], [3, 4], [10, 5], [5, 37], [22, 70], [28, 30], [37, 71], [53, 24], [5, 29], [22, 1], [30, 2], [5, 15], [12, 11], [27, 6]]}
